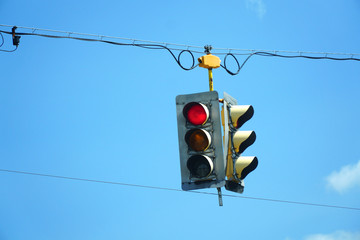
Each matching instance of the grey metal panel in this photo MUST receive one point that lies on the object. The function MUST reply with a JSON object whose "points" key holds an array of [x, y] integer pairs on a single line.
{"points": [[217, 178], [228, 100]]}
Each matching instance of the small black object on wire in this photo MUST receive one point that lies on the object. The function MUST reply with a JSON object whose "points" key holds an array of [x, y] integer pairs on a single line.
{"points": [[16, 40]]}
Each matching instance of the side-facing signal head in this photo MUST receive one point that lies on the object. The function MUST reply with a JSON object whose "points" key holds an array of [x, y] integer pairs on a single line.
{"points": [[245, 165], [242, 140], [241, 114]]}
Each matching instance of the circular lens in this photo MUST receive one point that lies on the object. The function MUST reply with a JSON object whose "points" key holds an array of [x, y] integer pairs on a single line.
{"points": [[200, 166], [198, 139], [196, 113]]}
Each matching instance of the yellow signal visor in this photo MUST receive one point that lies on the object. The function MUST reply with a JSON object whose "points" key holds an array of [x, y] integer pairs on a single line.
{"points": [[245, 165], [242, 140], [200, 166], [240, 114]]}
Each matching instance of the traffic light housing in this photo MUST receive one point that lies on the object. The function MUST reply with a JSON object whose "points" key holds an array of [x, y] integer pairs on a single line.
{"points": [[200, 142], [235, 143]]}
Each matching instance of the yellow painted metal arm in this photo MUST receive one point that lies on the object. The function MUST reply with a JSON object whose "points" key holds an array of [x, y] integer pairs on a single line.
{"points": [[209, 61]]}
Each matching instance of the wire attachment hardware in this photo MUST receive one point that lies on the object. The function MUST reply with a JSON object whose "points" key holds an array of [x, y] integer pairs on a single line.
{"points": [[209, 61], [208, 49], [220, 197], [15, 38]]}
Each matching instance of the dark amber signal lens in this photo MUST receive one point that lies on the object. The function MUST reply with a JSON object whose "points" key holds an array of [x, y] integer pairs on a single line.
{"points": [[198, 139]]}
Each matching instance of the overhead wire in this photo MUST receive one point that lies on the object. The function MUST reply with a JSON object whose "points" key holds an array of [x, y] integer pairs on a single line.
{"points": [[176, 190], [189, 48], [178, 46], [2, 40], [269, 54], [148, 46], [2, 43], [239, 67], [220, 51]]}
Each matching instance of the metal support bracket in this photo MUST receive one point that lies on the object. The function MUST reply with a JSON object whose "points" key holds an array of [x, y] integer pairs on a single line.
{"points": [[220, 197]]}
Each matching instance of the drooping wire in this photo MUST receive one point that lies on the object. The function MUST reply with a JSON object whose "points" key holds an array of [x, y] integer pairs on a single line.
{"points": [[237, 62], [177, 190], [2, 43], [268, 54], [217, 51], [156, 45], [147, 46], [16, 47], [2, 40]]}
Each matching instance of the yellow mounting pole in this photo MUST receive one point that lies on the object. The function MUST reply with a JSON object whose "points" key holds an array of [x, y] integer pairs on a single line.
{"points": [[210, 62], [211, 85]]}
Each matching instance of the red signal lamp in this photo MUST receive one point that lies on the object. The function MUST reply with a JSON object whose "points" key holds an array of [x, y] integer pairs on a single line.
{"points": [[196, 113]]}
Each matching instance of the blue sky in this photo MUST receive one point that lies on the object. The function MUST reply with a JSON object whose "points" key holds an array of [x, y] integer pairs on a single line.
{"points": [[105, 112]]}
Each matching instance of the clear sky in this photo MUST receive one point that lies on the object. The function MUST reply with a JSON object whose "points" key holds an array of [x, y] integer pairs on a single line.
{"points": [[104, 112]]}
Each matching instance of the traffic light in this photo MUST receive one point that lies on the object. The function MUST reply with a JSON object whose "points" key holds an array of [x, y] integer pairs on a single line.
{"points": [[235, 143], [200, 142]]}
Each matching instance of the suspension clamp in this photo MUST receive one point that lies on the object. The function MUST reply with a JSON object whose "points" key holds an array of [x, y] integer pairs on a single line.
{"points": [[209, 61], [16, 39]]}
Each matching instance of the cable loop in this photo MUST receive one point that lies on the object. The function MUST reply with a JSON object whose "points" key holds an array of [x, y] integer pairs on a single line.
{"points": [[237, 62], [193, 60], [3, 41]]}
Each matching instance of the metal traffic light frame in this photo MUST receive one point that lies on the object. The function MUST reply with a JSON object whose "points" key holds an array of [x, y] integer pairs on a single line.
{"points": [[227, 102], [238, 167], [217, 178]]}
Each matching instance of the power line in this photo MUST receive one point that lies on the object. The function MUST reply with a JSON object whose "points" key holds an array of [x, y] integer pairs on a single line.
{"points": [[221, 51], [67, 34], [165, 46], [142, 45], [173, 189], [2, 43]]}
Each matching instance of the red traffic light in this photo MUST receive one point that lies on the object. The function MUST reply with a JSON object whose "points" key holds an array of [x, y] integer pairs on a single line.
{"points": [[202, 160], [196, 113]]}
